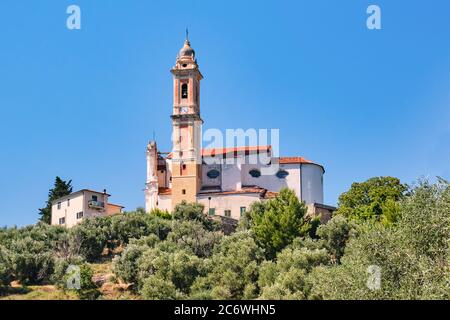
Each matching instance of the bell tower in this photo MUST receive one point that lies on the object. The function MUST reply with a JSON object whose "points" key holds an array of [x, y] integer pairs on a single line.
{"points": [[186, 127]]}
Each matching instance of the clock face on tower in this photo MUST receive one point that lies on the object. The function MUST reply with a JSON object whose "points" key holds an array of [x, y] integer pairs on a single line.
{"points": [[184, 110]]}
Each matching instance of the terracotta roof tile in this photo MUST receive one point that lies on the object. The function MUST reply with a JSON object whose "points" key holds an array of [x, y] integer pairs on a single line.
{"points": [[289, 160], [236, 150], [165, 191]]}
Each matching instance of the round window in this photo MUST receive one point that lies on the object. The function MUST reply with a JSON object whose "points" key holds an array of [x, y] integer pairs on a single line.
{"points": [[282, 174], [213, 174], [255, 173]]}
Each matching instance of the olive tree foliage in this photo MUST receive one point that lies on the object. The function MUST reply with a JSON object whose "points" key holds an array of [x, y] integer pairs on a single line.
{"points": [[232, 271], [412, 257], [335, 235], [194, 212], [90, 237], [192, 235], [373, 200], [28, 253], [172, 265], [5, 267], [286, 278], [277, 222], [165, 269], [99, 235]]}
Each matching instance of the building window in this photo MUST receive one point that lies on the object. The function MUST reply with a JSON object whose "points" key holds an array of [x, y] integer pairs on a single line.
{"points": [[79, 215], [94, 198], [62, 220], [243, 209], [68, 202], [255, 173], [282, 174], [212, 211], [227, 213], [59, 205], [184, 91], [183, 191], [213, 174]]}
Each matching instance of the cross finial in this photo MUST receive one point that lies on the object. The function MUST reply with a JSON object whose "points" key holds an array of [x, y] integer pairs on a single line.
{"points": [[187, 34]]}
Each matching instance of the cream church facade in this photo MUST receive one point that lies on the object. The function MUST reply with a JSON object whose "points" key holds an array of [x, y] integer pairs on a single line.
{"points": [[225, 180]]}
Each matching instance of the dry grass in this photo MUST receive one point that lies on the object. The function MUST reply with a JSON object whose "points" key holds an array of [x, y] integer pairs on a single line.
{"points": [[103, 275], [46, 292]]}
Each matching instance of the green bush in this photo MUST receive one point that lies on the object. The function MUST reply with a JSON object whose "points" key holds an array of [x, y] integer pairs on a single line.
{"points": [[287, 277], [136, 225], [31, 261], [156, 288], [125, 265], [59, 275], [174, 265], [232, 270], [6, 275], [335, 235], [192, 235], [194, 212], [87, 290], [277, 222], [90, 238], [412, 256]]}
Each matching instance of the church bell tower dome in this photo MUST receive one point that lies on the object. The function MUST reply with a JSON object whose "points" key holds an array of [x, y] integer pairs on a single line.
{"points": [[187, 51]]}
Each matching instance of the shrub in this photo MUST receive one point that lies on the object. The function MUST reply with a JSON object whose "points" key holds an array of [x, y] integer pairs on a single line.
{"points": [[335, 235], [90, 237], [287, 277], [125, 266], [171, 264], [5, 267], [156, 288], [59, 275], [31, 261], [194, 212], [161, 214], [137, 225], [277, 222], [232, 269], [192, 235], [412, 256], [87, 290]]}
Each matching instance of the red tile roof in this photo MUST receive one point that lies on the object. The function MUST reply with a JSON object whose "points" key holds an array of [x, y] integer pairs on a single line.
{"points": [[235, 150], [289, 160], [264, 193], [165, 191]]}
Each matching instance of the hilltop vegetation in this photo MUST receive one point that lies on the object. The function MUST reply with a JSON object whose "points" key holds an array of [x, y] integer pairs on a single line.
{"points": [[276, 253]]}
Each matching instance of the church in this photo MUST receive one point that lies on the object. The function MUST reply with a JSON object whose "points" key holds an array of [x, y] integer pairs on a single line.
{"points": [[225, 180]]}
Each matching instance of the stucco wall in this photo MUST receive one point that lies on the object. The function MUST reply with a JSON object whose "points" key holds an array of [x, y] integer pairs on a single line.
{"points": [[68, 212], [270, 181], [208, 182], [165, 202], [312, 183], [228, 202]]}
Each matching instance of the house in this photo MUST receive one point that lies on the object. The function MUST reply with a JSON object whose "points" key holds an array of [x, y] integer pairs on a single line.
{"points": [[225, 180], [72, 209]]}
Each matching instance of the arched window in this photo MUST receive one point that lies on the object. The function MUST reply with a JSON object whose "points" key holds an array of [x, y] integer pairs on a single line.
{"points": [[282, 174], [213, 174], [184, 91], [255, 173]]}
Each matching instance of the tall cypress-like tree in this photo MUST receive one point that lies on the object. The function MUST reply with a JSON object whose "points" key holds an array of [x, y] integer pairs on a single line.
{"points": [[60, 189]]}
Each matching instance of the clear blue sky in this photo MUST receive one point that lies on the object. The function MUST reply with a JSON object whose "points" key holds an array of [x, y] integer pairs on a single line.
{"points": [[83, 104]]}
